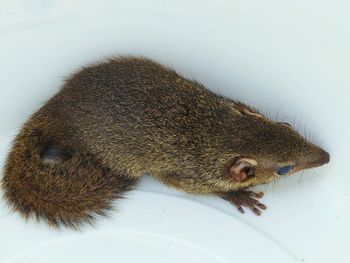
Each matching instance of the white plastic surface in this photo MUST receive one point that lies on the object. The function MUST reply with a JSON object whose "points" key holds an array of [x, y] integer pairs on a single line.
{"points": [[290, 59]]}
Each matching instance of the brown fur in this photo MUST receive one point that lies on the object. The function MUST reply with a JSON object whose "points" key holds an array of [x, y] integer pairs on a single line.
{"points": [[118, 120]]}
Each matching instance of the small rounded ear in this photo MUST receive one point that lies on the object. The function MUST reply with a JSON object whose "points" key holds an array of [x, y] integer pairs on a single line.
{"points": [[242, 168], [285, 124]]}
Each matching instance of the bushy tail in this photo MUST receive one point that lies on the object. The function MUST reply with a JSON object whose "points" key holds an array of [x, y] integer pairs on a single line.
{"points": [[67, 192]]}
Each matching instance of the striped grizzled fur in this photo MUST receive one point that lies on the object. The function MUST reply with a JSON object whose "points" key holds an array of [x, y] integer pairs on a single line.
{"points": [[115, 121]]}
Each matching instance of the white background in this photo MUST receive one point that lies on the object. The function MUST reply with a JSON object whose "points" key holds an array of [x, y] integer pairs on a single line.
{"points": [[289, 59]]}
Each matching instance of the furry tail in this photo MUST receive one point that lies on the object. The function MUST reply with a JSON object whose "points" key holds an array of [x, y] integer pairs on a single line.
{"points": [[70, 191]]}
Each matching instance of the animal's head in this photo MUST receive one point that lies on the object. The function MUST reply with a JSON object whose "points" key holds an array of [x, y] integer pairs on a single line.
{"points": [[269, 150]]}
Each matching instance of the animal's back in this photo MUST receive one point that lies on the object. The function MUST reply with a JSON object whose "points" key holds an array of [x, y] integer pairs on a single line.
{"points": [[140, 111]]}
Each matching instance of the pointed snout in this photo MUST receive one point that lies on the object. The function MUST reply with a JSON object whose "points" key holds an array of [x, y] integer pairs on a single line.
{"points": [[320, 159]]}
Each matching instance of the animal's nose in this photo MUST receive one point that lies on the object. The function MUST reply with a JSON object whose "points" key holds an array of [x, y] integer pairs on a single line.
{"points": [[324, 157]]}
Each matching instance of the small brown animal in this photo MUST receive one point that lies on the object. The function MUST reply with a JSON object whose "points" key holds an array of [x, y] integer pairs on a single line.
{"points": [[115, 121]]}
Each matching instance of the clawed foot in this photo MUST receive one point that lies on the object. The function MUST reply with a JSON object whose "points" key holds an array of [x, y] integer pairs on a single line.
{"points": [[245, 198]]}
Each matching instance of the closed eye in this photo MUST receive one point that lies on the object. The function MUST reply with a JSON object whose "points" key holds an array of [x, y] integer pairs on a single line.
{"points": [[284, 169]]}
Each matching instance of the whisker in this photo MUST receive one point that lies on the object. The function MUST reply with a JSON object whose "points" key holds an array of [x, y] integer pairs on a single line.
{"points": [[278, 113], [266, 186]]}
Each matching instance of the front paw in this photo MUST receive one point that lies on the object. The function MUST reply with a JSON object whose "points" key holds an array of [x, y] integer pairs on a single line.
{"points": [[245, 198]]}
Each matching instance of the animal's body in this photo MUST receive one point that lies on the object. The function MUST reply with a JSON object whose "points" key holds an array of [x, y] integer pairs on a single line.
{"points": [[113, 122]]}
